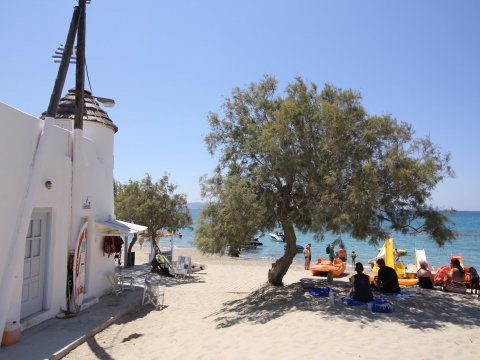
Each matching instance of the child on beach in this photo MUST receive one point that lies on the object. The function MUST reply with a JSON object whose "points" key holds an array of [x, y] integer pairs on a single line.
{"points": [[353, 256], [308, 255]]}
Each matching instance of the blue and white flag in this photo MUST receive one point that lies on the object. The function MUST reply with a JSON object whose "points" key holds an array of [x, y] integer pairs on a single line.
{"points": [[57, 55]]}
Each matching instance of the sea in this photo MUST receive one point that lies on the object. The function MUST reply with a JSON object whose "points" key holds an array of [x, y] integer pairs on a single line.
{"points": [[467, 244]]}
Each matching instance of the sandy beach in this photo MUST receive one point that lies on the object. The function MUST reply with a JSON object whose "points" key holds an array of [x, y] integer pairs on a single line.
{"points": [[228, 312]]}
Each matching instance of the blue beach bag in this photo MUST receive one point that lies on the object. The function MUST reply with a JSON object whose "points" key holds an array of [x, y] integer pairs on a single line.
{"points": [[319, 292]]}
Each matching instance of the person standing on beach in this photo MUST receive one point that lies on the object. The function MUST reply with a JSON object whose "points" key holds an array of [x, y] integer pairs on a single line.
{"points": [[331, 253], [307, 252], [342, 253], [353, 256]]}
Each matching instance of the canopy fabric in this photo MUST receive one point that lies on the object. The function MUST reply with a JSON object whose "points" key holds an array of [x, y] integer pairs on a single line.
{"points": [[118, 227]]}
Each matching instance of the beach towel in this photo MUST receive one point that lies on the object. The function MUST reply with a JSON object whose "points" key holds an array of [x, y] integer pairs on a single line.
{"points": [[400, 294], [379, 305], [352, 302], [319, 292]]}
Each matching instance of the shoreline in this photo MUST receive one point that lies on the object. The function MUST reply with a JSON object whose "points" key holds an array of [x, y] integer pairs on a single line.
{"points": [[194, 252]]}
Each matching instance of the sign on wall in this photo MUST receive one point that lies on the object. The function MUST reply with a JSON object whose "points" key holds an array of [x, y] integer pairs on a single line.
{"points": [[86, 202]]}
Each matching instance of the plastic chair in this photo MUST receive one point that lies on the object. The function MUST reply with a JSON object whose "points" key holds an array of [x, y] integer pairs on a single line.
{"points": [[127, 279], [115, 283], [153, 293]]}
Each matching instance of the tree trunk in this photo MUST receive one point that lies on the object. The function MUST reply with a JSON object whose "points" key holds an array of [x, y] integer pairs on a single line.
{"points": [[156, 249], [280, 267], [130, 246]]}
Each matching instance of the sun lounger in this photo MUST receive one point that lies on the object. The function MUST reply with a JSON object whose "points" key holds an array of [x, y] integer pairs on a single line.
{"points": [[183, 266]]}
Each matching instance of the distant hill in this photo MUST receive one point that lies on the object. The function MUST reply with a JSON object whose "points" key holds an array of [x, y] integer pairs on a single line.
{"points": [[196, 205]]}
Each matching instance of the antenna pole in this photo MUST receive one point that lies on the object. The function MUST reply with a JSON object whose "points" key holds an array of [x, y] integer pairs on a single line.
{"points": [[63, 68], [80, 70]]}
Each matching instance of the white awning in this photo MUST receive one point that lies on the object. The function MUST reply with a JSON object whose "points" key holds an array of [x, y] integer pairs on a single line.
{"points": [[118, 227]]}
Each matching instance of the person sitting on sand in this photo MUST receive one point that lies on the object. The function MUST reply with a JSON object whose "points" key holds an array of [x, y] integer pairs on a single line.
{"points": [[342, 253], [387, 280], [361, 289], [455, 278], [307, 252], [424, 276]]}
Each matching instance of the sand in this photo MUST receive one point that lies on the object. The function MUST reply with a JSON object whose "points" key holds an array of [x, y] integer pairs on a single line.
{"points": [[228, 312]]}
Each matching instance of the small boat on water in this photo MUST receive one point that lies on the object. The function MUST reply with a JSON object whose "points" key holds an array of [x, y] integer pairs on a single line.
{"points": [[277, 236], [323, 266], [299, 248], [253, 244]]}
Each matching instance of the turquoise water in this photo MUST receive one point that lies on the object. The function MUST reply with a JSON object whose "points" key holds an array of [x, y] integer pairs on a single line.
{"points": [[466, 223]]}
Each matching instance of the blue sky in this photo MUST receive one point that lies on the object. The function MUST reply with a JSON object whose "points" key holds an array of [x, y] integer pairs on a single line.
{"points": [[168, 63]]}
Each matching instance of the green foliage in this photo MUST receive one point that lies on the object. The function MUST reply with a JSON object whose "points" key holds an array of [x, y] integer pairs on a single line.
{"points": [[151, 204], [231, 222], [317, 161]]}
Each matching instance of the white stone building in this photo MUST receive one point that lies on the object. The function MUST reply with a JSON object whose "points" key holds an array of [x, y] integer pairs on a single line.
{"points": [[51, 184]]}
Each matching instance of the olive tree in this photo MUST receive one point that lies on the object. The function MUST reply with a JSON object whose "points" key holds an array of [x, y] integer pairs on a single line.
{"points": [[310, 160], [153, 204]]}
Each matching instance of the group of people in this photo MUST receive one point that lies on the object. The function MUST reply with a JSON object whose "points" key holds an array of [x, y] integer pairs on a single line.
{"points": [[387, 280], [340, 254]]}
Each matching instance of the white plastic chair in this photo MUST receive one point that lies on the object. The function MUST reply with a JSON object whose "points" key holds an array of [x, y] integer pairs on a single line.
{"points": [[153, 293], [127, 279], [115, 283]]}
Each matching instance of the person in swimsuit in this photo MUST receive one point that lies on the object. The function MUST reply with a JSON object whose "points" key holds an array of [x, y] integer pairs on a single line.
{"points": [[353, 256], [307, 252], [396, 254], [425, 277], [455, 278]]}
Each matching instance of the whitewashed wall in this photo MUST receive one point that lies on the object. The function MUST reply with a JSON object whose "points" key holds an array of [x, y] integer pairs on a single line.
{"points": [[52, 163], [25, 168], [18, 142]]}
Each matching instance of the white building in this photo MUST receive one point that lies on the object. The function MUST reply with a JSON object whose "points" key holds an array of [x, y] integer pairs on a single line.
{"points": [[48, 190]]}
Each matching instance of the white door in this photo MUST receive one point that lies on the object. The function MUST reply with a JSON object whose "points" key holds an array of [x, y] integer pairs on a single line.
{"points": [[34, 265]]}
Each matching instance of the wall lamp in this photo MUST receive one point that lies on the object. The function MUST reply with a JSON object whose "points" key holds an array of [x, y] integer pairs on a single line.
{"points": [[105, 101], [48, 184]]}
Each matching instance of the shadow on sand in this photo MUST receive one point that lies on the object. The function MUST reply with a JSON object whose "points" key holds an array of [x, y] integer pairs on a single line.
{"points": [[139, 273], [430, 309]]}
